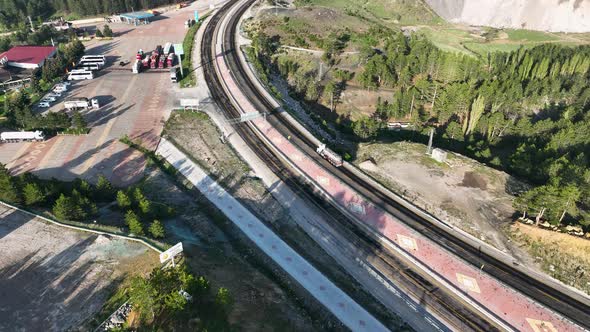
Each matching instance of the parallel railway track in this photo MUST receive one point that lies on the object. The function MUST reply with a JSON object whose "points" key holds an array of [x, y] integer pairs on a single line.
{"points": [[420, 287], [568, 306]]}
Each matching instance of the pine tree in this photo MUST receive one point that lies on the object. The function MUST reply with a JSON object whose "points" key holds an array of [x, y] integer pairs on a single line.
{"points": [[33, 194], [78, 120], [64, 208], [156, 229], [9, 190], [123, 201], [98, 33], [136, 227], [107, 31]]}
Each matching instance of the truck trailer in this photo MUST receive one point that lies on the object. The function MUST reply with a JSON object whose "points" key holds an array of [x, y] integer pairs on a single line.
{"points": [[22, 136], [331, 156], [81, 103]]}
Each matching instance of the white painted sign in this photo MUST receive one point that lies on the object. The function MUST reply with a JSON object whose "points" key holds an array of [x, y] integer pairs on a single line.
{"points": [[189, 103], [170, 253]]}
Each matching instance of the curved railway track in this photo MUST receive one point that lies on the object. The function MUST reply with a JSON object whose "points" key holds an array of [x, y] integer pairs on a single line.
{"points": [[420, 287], [572, 308]]}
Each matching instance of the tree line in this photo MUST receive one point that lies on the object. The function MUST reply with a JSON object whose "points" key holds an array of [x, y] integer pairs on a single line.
{"points": [[15, 13], [77, 201], [524, 111]]}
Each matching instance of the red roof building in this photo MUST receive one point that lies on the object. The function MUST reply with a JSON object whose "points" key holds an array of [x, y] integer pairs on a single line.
{"points": [[29, 57]]}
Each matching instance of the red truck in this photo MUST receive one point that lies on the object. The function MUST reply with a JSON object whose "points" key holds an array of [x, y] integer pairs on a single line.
{"points": [[146, 61]]}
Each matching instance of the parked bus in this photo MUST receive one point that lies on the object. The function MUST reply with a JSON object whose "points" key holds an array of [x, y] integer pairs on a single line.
{"points": [[88, 66], [93, 57], [80, 74], [91, 62]]}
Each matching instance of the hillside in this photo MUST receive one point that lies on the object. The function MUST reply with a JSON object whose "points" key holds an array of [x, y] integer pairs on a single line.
{"points": [[544, 15]]}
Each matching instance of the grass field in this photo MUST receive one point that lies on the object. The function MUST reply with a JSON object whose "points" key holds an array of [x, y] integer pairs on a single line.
{"points": [[418, 16]]}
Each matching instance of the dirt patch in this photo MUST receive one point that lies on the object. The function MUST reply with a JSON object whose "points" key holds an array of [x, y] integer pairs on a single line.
{"points": [[53, 279], [474, 180], [462, 191]]}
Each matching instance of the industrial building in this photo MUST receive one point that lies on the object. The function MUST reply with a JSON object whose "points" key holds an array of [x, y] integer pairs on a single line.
{"points": [[27, 57]]}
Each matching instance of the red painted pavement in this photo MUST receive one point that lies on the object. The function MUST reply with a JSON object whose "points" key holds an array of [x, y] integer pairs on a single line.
{"points": [[519, 311]]}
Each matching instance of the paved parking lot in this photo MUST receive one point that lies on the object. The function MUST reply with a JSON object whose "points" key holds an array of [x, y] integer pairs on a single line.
{"points": [[134, 105]]}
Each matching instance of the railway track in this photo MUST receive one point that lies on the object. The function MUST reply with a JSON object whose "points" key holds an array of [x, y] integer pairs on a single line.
{"points": [[420, 287], [575, 309]]}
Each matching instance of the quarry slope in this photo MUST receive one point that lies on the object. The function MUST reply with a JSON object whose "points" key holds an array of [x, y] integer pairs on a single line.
{"points": [[544, 15]]}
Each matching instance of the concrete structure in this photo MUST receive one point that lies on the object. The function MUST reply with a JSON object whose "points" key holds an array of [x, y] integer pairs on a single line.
{"points": [[439, 155], [28, 57], [136, 18]]}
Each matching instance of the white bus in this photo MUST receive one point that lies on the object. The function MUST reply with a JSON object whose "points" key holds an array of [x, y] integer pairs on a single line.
{"points": [[88, 66], [93, 57], [98, 62], [80, 74]]}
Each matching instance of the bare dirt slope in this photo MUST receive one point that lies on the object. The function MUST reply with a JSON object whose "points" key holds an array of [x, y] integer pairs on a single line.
{"points": [[545, 15], [462, 192]]}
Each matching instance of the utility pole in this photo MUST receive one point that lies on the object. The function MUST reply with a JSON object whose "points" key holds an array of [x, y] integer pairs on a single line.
{"points": [[429, 150], [31, 22]]}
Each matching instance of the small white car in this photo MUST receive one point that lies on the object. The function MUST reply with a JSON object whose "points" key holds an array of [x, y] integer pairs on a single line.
{"points": [[60, 88], [48, 98], [44, 104], [54, 94]]}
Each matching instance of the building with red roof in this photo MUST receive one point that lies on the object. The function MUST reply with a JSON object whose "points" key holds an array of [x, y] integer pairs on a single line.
{"points": [[28, 57]]}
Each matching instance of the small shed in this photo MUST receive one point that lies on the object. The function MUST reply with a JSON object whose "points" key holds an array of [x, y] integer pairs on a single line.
{"points": [[439, 155], [136, 18]]}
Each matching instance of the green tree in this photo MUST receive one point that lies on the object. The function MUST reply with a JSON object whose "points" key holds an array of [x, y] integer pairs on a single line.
{"points": [[9, 189], [78, 120], [123, 200], [145, 206], [136, 227], [33, 194], [223, 299], [64, 208], [156, 229], [104, 189], [129, 217], [98, 33], [107, 31]]}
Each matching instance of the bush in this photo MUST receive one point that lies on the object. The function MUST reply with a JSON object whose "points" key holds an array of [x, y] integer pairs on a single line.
{"points": [[98, 33]]}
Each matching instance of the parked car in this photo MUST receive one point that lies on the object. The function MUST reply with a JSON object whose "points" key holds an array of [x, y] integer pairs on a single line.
{"points": [[60, 88], [44, 104], [48, 99], [54, 94]]}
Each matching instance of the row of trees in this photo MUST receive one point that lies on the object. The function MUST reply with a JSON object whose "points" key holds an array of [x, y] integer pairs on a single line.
{"points": [[16, 12], [77, 201], [139, 208], [521, 111]]}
